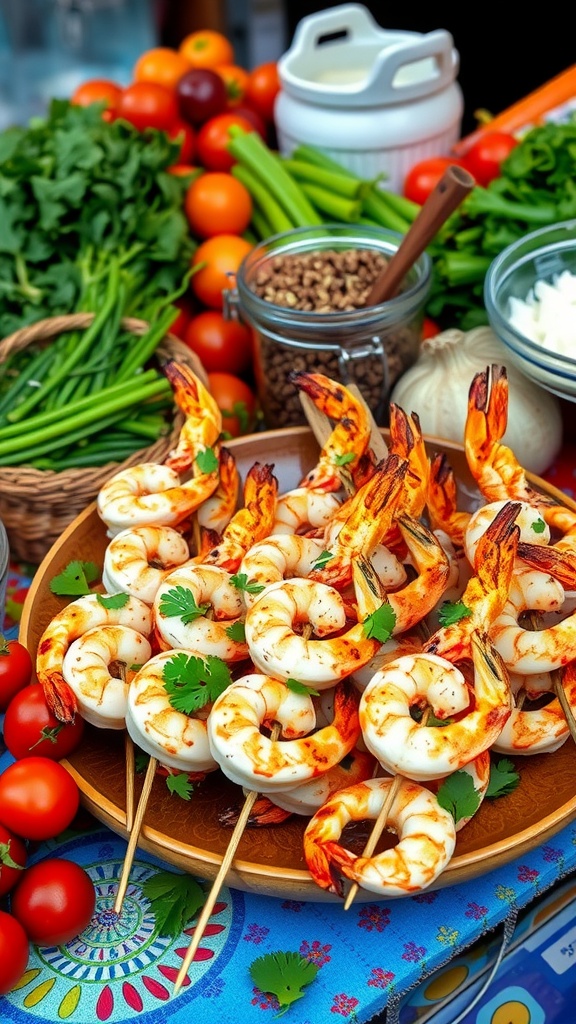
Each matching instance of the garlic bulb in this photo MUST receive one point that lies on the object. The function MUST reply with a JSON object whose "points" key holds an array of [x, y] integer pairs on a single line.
{"points": [[436, 387]]}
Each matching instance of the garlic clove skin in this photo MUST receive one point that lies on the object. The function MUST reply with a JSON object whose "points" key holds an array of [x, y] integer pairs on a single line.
{"points": [[436, 387]]}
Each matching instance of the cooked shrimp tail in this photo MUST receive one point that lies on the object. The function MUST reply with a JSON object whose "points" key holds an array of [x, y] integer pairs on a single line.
{"points": [[203, 419]]}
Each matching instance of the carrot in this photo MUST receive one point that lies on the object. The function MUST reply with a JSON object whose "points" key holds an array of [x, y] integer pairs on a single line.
{"points": [[528, 111]]}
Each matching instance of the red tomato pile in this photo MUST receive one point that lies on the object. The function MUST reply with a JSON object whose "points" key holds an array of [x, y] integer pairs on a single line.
{"points": [[483, 160], [51, 901], [195, 94]]}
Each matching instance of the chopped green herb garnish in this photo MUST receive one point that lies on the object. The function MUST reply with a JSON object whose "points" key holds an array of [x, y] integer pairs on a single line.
{"points": [[75, 579], [453, 611], [297, 687], [113, 601], [207, 461], [174, 899], [380, 624], [241, 581], [323, 558], [284, 975], [458, 795], [192, 682], [503, 778], [179, 602]]}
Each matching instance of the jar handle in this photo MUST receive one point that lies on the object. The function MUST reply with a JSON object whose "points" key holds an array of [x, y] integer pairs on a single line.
{"points": [[369, 348]]}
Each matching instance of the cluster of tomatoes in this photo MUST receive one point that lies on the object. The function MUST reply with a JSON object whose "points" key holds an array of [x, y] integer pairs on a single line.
{"points": [[483, 160], [51, 901], [195, 94]]}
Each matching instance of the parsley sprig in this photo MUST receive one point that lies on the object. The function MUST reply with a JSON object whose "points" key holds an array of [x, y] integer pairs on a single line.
{"points": [[192, 682]]}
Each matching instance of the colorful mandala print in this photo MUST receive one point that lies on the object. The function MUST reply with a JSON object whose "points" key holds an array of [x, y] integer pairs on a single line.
{"points": [[118, 969]]}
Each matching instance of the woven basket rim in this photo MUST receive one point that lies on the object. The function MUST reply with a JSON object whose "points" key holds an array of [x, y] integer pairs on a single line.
{"points": [[27, 480]]}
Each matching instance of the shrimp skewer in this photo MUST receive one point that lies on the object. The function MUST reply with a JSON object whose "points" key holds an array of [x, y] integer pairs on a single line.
{"points": [[427, 837], [72, 622], [277, 648], [251, 759], [251, 523], [181, 609], [203, 419], [151, 494], [215, 512], [350, 435], [137, 560], [278, 557], [99, 666]]}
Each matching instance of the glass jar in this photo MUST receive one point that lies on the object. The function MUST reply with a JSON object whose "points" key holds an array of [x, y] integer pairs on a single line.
{"points": [[369, 346]]}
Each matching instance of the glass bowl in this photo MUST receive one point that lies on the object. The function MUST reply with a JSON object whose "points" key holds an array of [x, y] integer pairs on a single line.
{"points": [[541, 255]]}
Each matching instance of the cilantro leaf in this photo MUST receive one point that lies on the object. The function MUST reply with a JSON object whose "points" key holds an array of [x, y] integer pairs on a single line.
{"points": [[284, 975], [141, 760], [180, 784], [236, 632], [452, 611], [322, 559], [343, 460], [207, 461], [75, 579], [380, 624], [113, 600], [458, 795], [539, 526], [179, 602], [191, 682], [241, 582], [174, 899], [297, 687], [503, 778]]}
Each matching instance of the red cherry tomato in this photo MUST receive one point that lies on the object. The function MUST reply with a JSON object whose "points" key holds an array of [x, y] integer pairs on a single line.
{"points": [[429, 328], [220, 344], [187, 308], [236, 401], [183, 134], [258, 123], [15, 670], [54, 901], [148, 105], [485, 157], [213, 138], [422, 179], [14, 952], [12, 860], [262, 89], [38, 798], [30, 728]]}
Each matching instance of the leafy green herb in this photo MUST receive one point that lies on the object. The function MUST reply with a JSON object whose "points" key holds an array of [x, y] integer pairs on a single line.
{"points": [[503, 778], [174, 899], [297, 687], [323, 558], [380, 624], [179, 602], [344, 459], [539, 526], [180, 784], [75, 579], [113, 600], [207, 461], [453, 611], [141, 760], [284, 975], [458, 795], [236, 632], [241, 581], [192, 682]]}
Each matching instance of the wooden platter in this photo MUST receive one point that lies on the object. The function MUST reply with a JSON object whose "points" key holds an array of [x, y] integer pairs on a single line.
{"points": [[269, 860]]}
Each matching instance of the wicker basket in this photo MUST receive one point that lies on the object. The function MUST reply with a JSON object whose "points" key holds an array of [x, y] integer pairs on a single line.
{"points": [[37, 505]]}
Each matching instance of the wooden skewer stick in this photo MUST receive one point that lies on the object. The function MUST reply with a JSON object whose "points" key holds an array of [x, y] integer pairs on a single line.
{"points": [[129, 758], [135, 833], [219, 880], [377, 831]]}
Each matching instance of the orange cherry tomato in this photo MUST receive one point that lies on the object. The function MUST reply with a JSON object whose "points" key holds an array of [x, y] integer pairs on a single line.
{"points": [[236, 401], [213, 138], [148, 105], [220, 344], [236, 81], [217, 204], [217, 259], [262, 89], [161, 65], [98, 90], [207, 49]]}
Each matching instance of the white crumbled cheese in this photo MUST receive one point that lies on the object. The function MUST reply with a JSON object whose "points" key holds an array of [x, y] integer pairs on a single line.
{"points": [[548, 315]]}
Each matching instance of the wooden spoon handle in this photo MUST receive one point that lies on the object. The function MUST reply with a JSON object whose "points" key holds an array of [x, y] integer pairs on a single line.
{"points": [[453, 186]]}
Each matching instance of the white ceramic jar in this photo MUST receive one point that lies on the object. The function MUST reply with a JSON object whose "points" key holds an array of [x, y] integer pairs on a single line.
{"points": [[376, 101]]}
